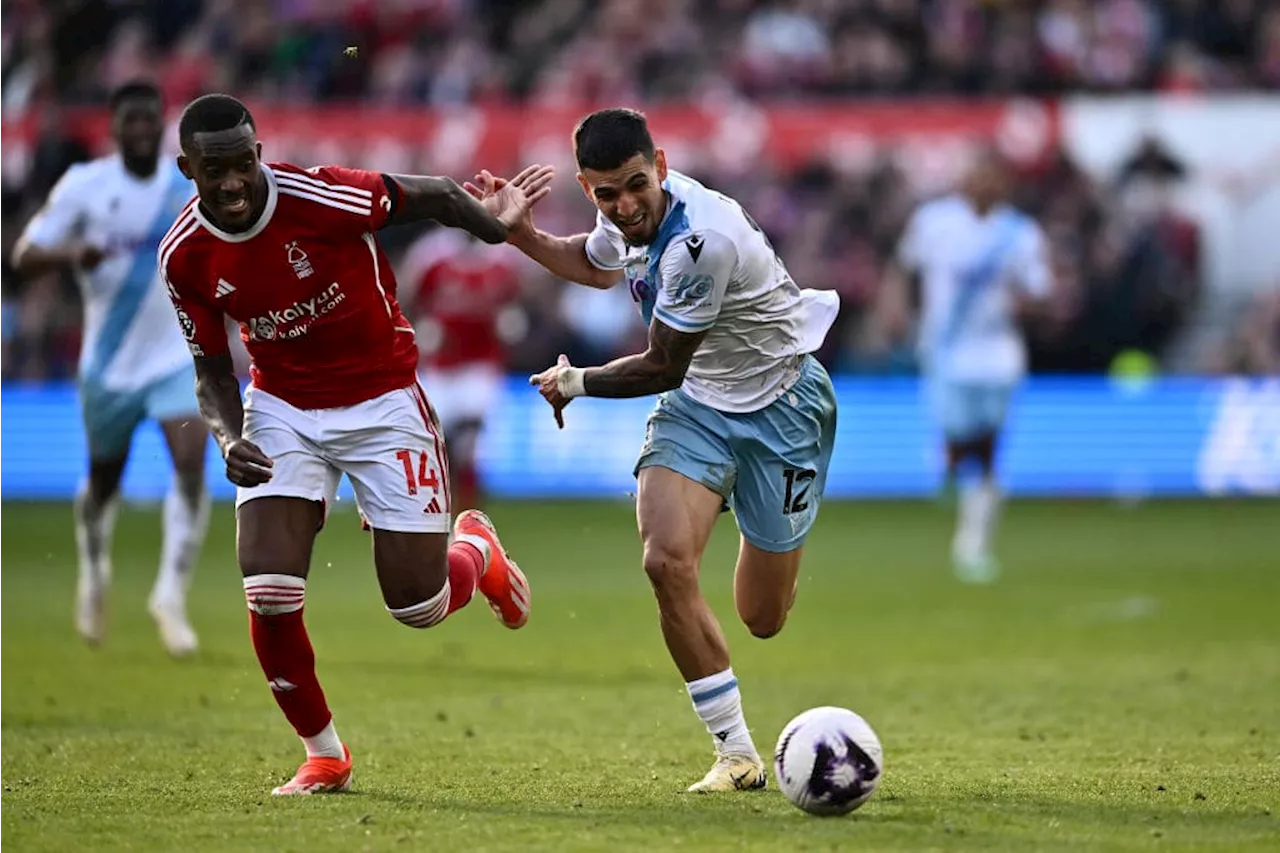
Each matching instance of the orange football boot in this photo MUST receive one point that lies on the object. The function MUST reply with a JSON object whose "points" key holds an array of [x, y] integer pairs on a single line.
{"points": [[319, 775], [502, 582]]}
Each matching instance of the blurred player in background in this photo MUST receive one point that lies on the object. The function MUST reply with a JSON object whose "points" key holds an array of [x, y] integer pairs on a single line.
{"points": [[746, 419], [104, 220], [464, 290], [978, 260], [291, 255]]}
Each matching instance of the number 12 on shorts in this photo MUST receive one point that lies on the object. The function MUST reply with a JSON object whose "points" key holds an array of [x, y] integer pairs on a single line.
{"points": [[425, 476], [797, 482]]}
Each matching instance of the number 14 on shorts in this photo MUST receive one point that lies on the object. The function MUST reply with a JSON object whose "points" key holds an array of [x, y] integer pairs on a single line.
{"points": [[425, 477]]}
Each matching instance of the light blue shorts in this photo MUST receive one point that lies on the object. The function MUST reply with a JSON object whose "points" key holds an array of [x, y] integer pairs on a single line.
{"points": [[770, 466], [970, 410], [110, 417]]}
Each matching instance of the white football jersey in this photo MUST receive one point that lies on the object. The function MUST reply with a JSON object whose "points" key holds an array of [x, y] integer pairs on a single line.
{"points": [[710, 268], [970, 266], [131, 334]]}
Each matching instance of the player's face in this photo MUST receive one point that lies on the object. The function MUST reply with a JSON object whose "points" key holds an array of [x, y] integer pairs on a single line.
{"points": [[988, 183], [227, 170], [630, 196], [138, 126]]}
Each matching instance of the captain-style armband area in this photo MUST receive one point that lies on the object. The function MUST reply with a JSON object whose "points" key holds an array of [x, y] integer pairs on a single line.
{"points": [[572, 382]]}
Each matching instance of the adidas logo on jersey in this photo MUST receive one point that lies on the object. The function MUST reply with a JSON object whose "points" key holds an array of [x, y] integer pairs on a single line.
{"points": [[224, 288]]}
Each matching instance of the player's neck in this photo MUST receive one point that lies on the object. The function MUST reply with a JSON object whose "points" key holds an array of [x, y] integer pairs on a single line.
{"points": [[140, 169], [982, 206]]}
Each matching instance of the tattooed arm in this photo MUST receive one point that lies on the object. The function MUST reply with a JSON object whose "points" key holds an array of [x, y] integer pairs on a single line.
{"points": [[659, 368], [418, 197]]}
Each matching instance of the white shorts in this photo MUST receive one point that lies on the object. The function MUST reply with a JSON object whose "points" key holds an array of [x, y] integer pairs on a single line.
{"points": [[390, 447], [467, 392]]}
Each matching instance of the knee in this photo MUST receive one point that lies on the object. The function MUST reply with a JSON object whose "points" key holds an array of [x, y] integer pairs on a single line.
{"points": [[764, 622], [670, 570], [765, 618], [268, 562], [428, 612]]}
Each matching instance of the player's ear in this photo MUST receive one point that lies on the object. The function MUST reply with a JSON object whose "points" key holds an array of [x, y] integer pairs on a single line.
{"points": [[660, 163], [257, 149], [586, 188], [184, 166]]}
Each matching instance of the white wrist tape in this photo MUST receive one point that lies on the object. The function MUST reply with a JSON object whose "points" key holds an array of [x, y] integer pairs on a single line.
{"points": [[572, 382]]}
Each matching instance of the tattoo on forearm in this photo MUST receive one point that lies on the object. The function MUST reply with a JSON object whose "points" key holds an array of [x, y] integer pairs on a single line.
{"points": [[659, 368], [425, 197]]}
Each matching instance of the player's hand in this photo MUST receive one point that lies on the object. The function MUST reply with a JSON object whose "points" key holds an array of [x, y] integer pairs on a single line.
{"points": [[511, 201], [87, 256], [247, 465], [548, 384]]}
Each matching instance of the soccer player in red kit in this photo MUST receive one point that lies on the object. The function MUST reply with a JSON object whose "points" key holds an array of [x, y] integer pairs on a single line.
{"points": [[463, 287], [290, 254]]}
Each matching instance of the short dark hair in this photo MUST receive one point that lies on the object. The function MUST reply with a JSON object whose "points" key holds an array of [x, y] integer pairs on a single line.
{"points": [[133, 90], [606, 139], [211, 113]]}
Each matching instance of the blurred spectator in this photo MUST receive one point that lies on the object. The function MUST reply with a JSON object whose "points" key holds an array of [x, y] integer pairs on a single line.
{"points": [[1128, 266]]}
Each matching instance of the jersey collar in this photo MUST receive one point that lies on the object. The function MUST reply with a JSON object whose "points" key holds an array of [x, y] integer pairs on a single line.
{"points": [[273, 195]]}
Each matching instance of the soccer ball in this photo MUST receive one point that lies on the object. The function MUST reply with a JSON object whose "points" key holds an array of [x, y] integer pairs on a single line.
{"points": [[828, 761]]}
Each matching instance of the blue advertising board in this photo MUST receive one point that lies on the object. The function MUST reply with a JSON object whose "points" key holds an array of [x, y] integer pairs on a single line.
{"points": [[1087, 436]]}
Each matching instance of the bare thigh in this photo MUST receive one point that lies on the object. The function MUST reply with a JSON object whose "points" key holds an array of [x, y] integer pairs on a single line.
{"points": [[275, 535], [411, 567]]}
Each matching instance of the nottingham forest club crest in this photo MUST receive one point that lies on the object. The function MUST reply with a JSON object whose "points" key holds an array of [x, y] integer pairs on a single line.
{"points": [[297, 259]]}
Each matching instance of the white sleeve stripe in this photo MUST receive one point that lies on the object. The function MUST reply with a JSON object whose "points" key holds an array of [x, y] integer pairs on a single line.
{"points": [[184, 218], [318, 199], [188, 226], [596, 262], [324, 185], [680, 324], [377, 273], [287, 181]]}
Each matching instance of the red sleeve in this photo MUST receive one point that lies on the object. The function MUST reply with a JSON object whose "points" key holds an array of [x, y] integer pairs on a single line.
{"points": [[201, 321], [352, 195]]}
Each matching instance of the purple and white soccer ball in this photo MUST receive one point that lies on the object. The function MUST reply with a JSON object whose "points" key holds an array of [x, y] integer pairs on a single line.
{"points": [[828, 761]]}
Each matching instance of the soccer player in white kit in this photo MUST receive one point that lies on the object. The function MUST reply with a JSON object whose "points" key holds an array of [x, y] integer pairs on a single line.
{"points": [[104, 220], [746, 418], [978, 258]]}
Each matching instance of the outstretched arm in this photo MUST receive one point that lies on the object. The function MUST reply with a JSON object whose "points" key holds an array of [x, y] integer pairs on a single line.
{"points": [[422, 197], [565, 257]]}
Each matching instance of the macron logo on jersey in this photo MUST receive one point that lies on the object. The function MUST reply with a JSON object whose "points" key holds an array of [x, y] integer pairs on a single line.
{"points": [[694, 244], [224, 288]]}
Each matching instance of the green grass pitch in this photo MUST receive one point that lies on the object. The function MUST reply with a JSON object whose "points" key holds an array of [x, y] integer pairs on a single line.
{"points": [[1118, 689]]}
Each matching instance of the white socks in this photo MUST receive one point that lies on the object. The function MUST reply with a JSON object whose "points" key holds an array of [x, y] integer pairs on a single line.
{"points": [[719, 705], [979, 509], [184, 530], [324, 744], [94, 527]]}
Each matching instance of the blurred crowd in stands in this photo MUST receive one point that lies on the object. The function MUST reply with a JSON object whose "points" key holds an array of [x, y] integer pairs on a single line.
{"points": [[1129, 267]]}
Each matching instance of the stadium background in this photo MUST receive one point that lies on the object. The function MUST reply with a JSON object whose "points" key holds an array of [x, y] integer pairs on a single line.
{"points": [[1116, 689], [1144, 136]]}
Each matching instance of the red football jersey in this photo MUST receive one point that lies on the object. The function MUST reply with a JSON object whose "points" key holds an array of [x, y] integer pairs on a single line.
{"points": [[309, 285], [462, 286]]}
